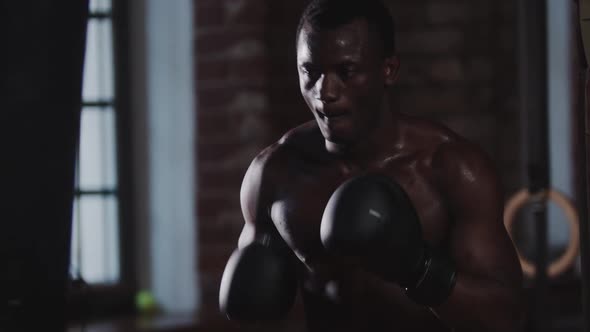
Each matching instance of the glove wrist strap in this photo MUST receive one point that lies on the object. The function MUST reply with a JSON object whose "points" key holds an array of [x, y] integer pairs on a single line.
{"points": [[436, 282]]}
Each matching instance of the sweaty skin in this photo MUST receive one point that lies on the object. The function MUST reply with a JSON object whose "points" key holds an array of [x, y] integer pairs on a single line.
{"points": [[452, 184]]}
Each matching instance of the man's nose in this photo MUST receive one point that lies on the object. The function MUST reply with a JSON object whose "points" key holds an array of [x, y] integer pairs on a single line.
{"points": [[327, 88]]}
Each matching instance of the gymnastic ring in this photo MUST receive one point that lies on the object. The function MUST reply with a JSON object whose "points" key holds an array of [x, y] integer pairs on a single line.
{"points": [[567, 259]]}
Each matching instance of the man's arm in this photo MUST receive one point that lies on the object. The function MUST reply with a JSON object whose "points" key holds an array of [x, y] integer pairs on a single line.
{"points": [[255, 198], [487, 293], [258, 282]]}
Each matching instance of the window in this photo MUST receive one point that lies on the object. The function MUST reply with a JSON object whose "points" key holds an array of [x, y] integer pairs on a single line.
{"points": [[100, 261], [95, 249], [144, 156]]}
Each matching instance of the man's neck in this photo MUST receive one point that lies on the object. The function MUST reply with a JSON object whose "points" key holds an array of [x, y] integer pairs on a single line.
{"points": [[372, 148]]}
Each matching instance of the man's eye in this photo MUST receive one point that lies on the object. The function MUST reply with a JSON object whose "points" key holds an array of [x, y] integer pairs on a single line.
{"points": [[309, 71], [348, 72]]}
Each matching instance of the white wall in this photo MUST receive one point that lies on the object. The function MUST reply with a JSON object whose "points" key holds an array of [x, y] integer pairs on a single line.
{"points": [[560, 103], [164, 142]]}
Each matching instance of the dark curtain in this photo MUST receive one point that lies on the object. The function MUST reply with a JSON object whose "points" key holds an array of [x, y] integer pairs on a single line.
{"points": [[42, 52]]}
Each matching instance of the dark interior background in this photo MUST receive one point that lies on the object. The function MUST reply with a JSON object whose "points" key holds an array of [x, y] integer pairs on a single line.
{"points": [[459, 66]]}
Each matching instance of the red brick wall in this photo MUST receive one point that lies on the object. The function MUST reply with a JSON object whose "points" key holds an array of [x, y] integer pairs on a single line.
{"points": [[458, 66]]}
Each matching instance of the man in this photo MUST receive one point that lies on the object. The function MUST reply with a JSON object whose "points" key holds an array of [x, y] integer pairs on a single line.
{"points": [[346, 61]]}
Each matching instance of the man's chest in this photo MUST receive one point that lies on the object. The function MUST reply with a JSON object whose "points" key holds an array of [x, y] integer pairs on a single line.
{"points": [[298, 208]]}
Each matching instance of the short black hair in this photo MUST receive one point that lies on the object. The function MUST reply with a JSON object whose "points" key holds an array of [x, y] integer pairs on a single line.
{"points": [[329, 14]]}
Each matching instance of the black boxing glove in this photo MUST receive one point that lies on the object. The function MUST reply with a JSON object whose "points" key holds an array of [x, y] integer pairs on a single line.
{"points": [[258, 284], [372, 217]]}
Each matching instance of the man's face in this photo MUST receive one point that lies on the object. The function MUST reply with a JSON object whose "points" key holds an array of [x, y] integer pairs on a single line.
{"points": [[342, 77]]}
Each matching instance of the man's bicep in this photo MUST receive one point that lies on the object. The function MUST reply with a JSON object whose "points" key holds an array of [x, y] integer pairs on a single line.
{"points": [[251, 195], [255, 200], [485, 250], [479, 242]]}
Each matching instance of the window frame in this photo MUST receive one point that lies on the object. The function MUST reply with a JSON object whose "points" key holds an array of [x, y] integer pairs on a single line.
{"points": [[87, 302]]}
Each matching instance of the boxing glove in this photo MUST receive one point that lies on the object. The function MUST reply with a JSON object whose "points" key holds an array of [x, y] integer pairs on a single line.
{"points": [[371, 216], [258, 284]]}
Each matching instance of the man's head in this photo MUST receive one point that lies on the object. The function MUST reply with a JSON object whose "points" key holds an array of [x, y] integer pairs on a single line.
{"points": [[329, 14], [346, 60]]}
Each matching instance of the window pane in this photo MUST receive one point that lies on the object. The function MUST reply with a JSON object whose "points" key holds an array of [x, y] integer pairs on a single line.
{"points": [[75, 249], [97, 159], [100, 6], [98, 65], [95, 239]]}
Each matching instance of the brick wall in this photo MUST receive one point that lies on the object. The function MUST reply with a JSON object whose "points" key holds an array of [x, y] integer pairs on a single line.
{"points": [[458, 66], [233, 107]]}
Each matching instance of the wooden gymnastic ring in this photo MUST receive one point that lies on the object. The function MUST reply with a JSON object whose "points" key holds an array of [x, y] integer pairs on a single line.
{"points": [[568, 258]]}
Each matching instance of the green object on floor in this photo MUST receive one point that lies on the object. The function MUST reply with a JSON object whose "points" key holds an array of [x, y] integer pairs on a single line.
{"points": [[145, 302]]}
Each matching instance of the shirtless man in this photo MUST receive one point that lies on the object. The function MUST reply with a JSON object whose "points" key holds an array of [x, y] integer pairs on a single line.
{"points": [[346, 61]]}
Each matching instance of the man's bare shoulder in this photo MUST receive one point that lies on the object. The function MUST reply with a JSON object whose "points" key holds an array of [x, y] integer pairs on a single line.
{"points": [[461, 167], [267, 172], [425, 133], [461, 157], [303, 141], [445, 145], [300, 143], [464, 173]]}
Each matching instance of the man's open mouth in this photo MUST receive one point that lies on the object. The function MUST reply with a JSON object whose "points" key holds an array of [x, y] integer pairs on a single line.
{"points": [[331, 115]]}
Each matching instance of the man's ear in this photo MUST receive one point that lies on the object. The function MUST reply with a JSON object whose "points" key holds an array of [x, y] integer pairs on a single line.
{"points": [[391, 69]]}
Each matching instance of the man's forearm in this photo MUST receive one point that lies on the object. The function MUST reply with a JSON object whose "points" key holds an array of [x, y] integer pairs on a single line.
{"points": [[478, 304], [389, 300], [475, 304]]}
